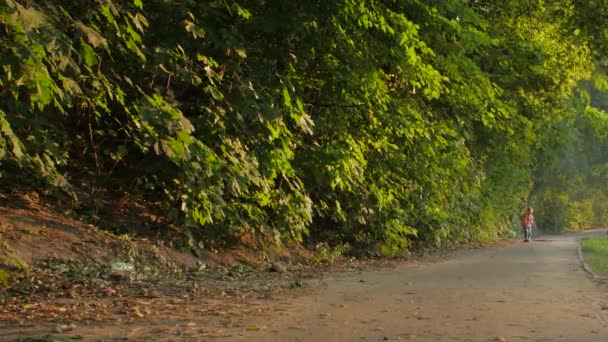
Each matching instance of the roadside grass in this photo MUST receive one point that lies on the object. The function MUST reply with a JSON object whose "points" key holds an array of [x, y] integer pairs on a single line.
{"points": [[595, 253]]}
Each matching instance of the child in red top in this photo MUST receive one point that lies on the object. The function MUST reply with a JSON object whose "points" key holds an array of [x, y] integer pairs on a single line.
{"points": [[527, 220]]}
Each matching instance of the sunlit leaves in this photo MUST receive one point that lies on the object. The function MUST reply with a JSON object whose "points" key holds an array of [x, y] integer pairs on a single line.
{"points": [[377, 123]]}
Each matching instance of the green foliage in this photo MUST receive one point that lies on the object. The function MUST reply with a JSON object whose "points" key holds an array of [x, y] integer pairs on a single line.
{"points": [[574, 159], [5, 277], [324, 253], [363, 123]]}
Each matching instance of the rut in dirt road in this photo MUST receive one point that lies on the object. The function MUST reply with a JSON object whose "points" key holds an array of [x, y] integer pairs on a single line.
{"points": [[524, 292]]}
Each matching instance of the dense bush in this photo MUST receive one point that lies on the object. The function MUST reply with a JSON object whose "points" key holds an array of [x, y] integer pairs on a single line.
{"points": [[573, 164], [372, 123]]}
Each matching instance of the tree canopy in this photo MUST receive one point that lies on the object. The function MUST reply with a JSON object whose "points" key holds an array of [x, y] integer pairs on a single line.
{"points": [[377, 123]]}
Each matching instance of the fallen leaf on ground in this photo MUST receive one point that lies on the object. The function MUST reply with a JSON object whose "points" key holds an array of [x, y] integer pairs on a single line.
{"points": [[52, 308], [110, 291], [213, 332]]}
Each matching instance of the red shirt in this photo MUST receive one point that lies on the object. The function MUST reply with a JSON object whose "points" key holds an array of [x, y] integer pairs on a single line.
{"points": [[527, 220]]}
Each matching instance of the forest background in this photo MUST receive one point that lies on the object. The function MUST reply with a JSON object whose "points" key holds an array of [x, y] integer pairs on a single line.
{"points": [[380, 125]]}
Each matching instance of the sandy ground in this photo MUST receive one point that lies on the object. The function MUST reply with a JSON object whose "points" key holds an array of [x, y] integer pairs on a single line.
{"points": [[525, 292], [522, 292]]}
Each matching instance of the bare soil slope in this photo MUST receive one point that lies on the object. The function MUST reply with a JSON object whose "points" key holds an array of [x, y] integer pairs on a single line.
{"points": [[61, 284], [512, 292]]}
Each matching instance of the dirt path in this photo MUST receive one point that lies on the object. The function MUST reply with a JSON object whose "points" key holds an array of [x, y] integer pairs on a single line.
{"points": [[524, 292]]}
